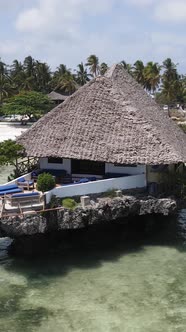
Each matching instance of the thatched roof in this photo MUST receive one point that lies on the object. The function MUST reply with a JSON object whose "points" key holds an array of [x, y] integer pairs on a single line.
{"points": [[109, 119], [55, 96]]}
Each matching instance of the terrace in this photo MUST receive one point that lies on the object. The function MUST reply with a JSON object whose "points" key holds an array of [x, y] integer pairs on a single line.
{"points": [[21, 195]]}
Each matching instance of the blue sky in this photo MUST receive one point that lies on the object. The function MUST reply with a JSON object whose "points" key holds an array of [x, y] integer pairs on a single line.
{"points": [[67, 31]]}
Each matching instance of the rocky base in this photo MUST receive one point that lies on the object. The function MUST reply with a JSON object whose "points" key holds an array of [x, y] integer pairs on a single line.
{"points": [[105, 211]]}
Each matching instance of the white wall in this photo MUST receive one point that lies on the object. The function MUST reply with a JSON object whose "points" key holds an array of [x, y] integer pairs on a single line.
{"points": [[139, 169], [95, 187], [66, 165], [109, 168]]}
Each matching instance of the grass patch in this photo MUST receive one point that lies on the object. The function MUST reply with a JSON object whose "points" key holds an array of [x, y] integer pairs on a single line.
{"points": [[111, 193], [69, 203]]}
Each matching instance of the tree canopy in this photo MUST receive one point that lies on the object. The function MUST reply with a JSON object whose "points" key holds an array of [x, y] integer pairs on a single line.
{"points": [[25, 79], [30, 103], [10, 151]]}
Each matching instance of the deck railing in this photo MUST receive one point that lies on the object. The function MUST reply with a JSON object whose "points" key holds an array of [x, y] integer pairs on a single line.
{"points": [[27, 166]]}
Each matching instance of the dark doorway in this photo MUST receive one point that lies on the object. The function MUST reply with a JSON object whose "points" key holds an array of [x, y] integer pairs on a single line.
{"points": [[87, 167]]}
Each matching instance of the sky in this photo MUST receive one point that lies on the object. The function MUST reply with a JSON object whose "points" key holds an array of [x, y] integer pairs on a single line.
{"points": [[68, 31]]}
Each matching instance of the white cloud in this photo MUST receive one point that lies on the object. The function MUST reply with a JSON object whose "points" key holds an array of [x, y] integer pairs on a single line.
{"points": [[173, 11], [68, 31], [55, 14]]}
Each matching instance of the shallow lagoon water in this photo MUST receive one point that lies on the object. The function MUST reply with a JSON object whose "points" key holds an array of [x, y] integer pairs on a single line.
{"points": [[106, 282]]}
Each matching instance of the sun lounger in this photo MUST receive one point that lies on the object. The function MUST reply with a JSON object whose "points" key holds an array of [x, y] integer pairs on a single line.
{"points": [[23, 183], [10, 192], [8, 187], [29, 198]]}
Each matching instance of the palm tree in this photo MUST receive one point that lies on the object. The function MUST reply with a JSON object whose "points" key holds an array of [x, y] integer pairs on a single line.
{"points": [[61, 70], [82, 74], [93, 64], [29, 66], [43, 76], [17, 74], [6, 85], [58, 75], [16, 68], [152, 76], [170, 81], [28, 84], [170, 70], [127, 66], [67, 83], [103, 68], [168, 92], [138, 71]]}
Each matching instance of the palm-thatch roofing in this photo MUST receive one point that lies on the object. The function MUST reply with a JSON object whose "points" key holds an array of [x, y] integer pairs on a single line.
{"points": [[110, 119], [55, 96]]}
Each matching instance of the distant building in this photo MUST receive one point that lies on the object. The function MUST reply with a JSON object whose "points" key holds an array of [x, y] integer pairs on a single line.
{"points": [[56, 97]]}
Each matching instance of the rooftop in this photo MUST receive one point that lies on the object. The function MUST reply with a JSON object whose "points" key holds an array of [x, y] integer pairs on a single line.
{"points": [[110, 119], [55, 96]]}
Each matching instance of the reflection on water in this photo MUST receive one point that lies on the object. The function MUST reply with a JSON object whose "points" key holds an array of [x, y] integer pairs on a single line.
{"points": [[109, 279]]}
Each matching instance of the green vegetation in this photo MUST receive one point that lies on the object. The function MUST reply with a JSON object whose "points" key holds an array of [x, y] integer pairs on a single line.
{"points": [[111, 193], [162, 80], [69, 203], [55, 202], [45, 182], [173, 182], [30, 103], [10, 151]]}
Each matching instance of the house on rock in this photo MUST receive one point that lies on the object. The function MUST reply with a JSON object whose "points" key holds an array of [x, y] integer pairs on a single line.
{"points": [[108, 135]]}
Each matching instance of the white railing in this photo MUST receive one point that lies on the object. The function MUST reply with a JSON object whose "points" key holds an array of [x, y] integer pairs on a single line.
{"points": [[96, 187]]}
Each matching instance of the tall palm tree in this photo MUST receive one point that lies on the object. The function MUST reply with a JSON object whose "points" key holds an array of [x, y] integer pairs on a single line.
{"points": [[169, 91], [43, 76], [170, 81], [93, 64], [82, 75], [58, 75], [28, 84], [6, 87], [61, 70], [6, 84], [29, 66], [170, 70], [138, 71], [17, 74], [67, 83], [16, 68], [152, 76], [127, 66]]}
